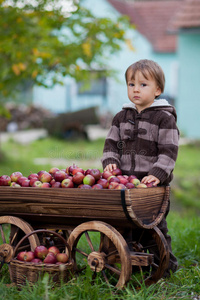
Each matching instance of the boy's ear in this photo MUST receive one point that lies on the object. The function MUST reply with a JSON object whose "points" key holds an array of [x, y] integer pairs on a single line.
{"points": [[158, 91]]}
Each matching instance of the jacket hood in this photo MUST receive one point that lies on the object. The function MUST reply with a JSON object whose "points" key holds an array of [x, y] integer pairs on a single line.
{"points": [[160, 104]]}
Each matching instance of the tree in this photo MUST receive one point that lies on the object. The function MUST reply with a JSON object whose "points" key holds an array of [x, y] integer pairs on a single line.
{"points": [[41, 43]]}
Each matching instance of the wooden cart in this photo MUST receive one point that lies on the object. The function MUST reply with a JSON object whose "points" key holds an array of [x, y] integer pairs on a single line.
{"points": [[113, 231]]}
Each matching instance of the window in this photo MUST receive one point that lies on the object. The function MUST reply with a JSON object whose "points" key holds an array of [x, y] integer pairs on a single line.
{"points": [[94, 87]]}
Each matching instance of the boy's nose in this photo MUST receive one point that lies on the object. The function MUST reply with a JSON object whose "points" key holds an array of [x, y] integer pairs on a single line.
{"points": [[136, 88]]}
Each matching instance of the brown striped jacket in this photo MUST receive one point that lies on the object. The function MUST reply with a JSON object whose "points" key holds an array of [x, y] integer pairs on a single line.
{"points": [[144, 143]]}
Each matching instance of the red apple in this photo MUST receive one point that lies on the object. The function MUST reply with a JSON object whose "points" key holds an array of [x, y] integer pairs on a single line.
{"points": [[5, 180], [62, 257], [96, 173], [130, 185], [123, 179], [112, 185], [45, 177], [97, 186], [37, 184], [32, 181], [120, 186], [15, 185], [70, 169], [41, 172], [67, 183], [56, 184], [113, 179], [40, 252], [116, 172], [60, 175], [110, 177], [53, 170], [50, 258], [78, 178], [36, 261], [87, 171], [141, 185], [33, 176], [74, 171], [104, 182], [14, 176], [21, 179], [29, 256], [135, 181], [45, 185], [106, 174], [89, 180], [130, 177], [25, 183], [84, 186], [20, 255], [54, 250]]}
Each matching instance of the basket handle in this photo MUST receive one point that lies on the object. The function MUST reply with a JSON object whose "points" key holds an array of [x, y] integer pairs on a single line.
{"points": [[47, 231]]}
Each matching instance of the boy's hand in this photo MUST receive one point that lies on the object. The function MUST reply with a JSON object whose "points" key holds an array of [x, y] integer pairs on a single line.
{"points": [[110, 167], [150, 178]]}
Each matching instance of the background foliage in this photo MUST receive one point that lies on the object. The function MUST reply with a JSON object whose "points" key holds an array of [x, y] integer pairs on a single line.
{"points": [[41, 42]]}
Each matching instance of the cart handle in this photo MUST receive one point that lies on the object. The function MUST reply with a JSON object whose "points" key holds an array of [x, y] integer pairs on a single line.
{"points": [[133, 219], [47, 231]]}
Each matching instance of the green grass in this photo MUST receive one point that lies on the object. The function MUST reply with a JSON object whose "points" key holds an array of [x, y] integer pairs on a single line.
{"points": [[186, 183], [51, 152]]}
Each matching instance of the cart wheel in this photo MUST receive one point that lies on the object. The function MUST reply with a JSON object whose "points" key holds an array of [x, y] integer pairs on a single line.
{"points": [[152, 241], [12, 229], [103, 248]]}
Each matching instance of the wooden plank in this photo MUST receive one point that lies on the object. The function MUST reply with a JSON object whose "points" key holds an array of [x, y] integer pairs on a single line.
{"points": [[138, 259]]}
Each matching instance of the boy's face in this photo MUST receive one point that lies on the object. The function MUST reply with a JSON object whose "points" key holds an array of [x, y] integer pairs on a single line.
{"points": [[142, 91]]}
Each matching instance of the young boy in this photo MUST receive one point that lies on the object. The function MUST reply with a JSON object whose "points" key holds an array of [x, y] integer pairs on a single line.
{"points": [[143, 138]]}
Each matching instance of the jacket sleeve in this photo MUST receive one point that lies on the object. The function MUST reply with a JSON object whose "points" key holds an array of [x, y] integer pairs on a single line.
{"points": [[168, 139], [111, 149]]}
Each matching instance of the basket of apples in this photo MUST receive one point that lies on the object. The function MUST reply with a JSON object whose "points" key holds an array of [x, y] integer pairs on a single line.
{"points": [[31, 265]]}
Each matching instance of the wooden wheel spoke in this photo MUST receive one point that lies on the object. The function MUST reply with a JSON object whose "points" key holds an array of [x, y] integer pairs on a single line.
{"points": [[14, 234], [155, 265], [81, 252], [2, 234], [89, 241], [149, 246], [112, 253], [104, 276], [101, 242], [113, 269]]}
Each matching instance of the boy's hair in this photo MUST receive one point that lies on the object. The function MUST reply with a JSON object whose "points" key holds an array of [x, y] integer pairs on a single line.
{"points": [[148, 67]]}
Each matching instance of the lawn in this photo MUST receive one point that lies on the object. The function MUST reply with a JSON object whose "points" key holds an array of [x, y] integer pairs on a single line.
{"points": [[183, 223]]}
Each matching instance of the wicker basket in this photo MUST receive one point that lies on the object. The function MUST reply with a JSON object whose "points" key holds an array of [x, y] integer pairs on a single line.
{"points": [[21, 272]]}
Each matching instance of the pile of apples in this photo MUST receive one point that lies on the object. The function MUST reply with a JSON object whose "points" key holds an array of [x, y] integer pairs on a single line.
{"points": [[41, 254], [74, 177]]}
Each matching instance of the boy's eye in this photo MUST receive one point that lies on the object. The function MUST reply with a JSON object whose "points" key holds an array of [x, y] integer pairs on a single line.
{"points": [[131, 84], [143, 84]]}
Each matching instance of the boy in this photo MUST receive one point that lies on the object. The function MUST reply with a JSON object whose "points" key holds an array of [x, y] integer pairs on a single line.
{"points": [[143, 138]]}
